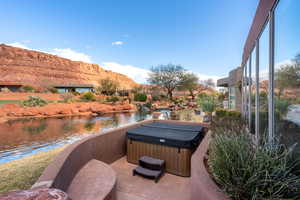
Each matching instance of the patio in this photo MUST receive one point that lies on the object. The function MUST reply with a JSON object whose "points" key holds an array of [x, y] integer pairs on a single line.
{"points": [[139, 188]]}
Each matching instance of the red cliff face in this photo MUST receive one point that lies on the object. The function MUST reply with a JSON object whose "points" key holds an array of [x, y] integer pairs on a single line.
{"points": [[39, 69]]}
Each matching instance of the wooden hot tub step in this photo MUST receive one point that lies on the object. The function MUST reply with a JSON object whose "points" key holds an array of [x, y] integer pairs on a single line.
{"points": [[152, 163], [148, 173]]}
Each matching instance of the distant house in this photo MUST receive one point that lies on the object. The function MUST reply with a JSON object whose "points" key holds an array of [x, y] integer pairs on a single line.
{"points": [[12, 86], [75, 88], [233, 84]]}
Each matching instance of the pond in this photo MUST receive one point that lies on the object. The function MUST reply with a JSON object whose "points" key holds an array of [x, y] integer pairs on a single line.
{"points": [[23, 138]]}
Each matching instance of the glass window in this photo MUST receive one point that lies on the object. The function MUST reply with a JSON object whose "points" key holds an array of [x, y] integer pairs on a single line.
{"points": [[232, 98], [287, 72], [263, 81]]}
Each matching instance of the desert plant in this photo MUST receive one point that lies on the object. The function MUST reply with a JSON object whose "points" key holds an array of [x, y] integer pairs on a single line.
{"points": [[222, 124], [88, 96], [221, 112], [27, 88], [207, 103], [53, 90], [34, 102], [281, 105], [112, 99], [67, 97], [155, 98], [108, 86], [246, 172], [140, 97]]}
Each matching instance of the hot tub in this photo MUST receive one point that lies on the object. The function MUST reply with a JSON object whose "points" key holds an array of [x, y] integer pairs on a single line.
{"points": [[172, 142]]}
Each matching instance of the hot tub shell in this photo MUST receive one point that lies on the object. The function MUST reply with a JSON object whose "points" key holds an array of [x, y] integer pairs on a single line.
{"points": [[166, 144]]}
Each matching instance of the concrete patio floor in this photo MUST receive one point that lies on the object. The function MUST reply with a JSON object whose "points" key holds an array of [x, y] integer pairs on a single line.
{"points": [[138, 188]]}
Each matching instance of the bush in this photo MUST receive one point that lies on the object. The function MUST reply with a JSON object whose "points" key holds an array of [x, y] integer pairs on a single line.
{"points": [[246, 172], [225, 124], [88, 96], [112, 99], [67, 97], [207, 103], [27, 88], [221, 112], [155, 98], [140, 97], [34, 102], [53, 90]]}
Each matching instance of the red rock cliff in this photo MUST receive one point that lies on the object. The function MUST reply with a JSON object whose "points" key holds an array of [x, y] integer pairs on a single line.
{"points": [[40, 69]]}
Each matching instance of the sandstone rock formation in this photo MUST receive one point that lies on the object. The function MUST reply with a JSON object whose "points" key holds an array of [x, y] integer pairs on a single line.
{"points": [[42, 70], [37, 194]]}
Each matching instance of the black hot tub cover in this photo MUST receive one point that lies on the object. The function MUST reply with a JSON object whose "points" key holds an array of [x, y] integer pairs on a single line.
{"points": [[170, 134]]}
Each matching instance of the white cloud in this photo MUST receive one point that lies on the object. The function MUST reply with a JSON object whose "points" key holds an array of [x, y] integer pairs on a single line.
{"points": [[19, 45], [72, 55], [140, 75], [137, 74], [203, 77], [117, 43]]}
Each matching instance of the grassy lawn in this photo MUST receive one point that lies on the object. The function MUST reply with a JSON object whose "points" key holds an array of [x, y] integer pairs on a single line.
{"points": [[2, 102], [22, 173]]}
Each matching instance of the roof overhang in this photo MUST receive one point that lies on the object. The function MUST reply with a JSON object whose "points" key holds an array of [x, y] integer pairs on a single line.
{"points": [[258, 24]]}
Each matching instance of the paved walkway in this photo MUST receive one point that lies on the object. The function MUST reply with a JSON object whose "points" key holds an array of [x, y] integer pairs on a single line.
{"points": [[169, 187]]}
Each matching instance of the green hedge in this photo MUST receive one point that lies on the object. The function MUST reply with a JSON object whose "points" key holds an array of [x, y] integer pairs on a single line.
{"points": [[140, 97], [227, 113], [88, 96]]}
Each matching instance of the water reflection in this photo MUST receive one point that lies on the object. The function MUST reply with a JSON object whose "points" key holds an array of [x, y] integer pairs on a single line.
{"points": [[26, 137]]}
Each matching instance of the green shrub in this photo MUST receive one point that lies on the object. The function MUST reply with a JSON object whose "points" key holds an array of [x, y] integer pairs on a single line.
{"points": [[155, 98], [281, 105], [207, 103], [27, 88], [246, 172], [34, 102], [53, 90], [225, 124], [112, 99], [221, 112], [140, 97], [234, 113], [88, 96]]}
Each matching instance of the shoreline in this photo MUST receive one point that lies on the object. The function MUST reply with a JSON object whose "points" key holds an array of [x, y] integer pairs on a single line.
{"points": [[13, 112], [7, 119]]}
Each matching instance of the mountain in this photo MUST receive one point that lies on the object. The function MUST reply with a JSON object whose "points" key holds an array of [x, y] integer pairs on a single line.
{"points": [[43, 70]]}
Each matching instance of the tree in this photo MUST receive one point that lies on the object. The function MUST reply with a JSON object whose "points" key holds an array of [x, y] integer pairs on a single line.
{"points": [[168, 77], [108, 86], [189, 82], [287, 76]]}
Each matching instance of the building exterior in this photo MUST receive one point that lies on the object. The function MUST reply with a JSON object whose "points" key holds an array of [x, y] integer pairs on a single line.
{"points": [[233, 85], [81, 88], [271, 72]]}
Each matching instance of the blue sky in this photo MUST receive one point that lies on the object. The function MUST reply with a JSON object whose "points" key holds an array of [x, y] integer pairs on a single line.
{"points": [[206, 37]]}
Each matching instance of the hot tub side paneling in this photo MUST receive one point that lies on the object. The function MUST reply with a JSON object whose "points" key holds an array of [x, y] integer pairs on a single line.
{"points": [[178, 160]]}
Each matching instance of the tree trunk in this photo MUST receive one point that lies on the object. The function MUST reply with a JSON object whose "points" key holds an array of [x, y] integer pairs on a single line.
{"points": [[192, 94], [170, 94]]}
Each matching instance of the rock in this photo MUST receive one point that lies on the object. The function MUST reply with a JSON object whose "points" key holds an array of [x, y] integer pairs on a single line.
{"points": [[36, 194], [37, 68]]}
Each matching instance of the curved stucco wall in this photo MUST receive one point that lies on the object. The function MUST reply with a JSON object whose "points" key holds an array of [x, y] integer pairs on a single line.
{"points": [[202, 185]]}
